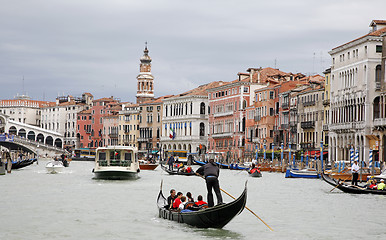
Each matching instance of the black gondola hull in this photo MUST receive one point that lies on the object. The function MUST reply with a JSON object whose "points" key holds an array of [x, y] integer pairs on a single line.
{"points": [[214, 217], [177, 172], [351, 189]]}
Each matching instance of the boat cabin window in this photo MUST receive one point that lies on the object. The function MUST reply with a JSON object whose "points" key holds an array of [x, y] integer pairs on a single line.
{"points": [[128, 156], [102, 156], [115, 155]]}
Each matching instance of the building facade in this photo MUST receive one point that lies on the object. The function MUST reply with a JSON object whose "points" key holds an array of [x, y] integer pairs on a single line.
{"points": [[355, 86]]}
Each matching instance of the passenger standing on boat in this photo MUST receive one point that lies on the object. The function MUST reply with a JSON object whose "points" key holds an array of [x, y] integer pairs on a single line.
{"points": [[354, 171], [177, 201], [171, 198], [171, 162], [211, 172]]}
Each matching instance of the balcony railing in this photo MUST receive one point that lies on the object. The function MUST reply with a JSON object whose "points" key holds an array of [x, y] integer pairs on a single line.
{"points": [[284, 126], [308, 124], [142, 139], [257, 118], [310, 103], [326, 102], [377, 86], [223, 114], [113, 135], [221, 135], [284, 105]]}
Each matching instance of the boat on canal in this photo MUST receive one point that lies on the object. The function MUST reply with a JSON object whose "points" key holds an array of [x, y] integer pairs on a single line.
{"points": [[144, 165], [213, 217], [177, 172], [54, 166], [350, 188], [224, 166], [116, 163], [303, 173], [255, 172], [23, 163]]}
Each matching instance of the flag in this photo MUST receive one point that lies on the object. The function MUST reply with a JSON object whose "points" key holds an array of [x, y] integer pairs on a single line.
{"points": [[172, 134], [116, 153]]}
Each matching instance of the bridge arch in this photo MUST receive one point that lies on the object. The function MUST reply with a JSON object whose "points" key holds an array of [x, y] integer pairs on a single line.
{"points": [[22, 133], [31, 135], [12, 130], [49, 141], [40, 138], [58, 142]]}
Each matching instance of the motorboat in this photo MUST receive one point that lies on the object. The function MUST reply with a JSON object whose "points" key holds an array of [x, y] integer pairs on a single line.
{"points": [[145, 165], [116, 163], [54, 166], [303, 173]]}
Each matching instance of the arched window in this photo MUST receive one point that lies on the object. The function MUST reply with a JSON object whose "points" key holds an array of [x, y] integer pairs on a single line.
{"points": [[376, 108], [202, 108]]}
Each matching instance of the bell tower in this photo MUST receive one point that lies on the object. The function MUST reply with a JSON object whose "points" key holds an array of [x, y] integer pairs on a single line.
{"points": [[145, 85]]}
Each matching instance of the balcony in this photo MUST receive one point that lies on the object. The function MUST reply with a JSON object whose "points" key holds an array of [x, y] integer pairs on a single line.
{"points": [[257, 118], [142, 139], [284, 126], [307, 146], [380, 123], [222, 135], [326, 102], [113, 135], [310, 103], [294, 129], [284, 105], [223, 114], [377, 86], [325, 127], [308, 124]]}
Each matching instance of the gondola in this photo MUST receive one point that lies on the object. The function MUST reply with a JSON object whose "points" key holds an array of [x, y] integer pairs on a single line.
{"points": [[214, 217], [349, 188], [23, 163], [255, 173], [174, 172], [223, 166]]}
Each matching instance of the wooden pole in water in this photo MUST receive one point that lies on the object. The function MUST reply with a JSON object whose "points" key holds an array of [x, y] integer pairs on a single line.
{"points": [[245, 206]]}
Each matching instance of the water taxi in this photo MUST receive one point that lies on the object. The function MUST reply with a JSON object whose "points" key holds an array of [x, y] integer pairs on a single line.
{"points": [[116, 163]]}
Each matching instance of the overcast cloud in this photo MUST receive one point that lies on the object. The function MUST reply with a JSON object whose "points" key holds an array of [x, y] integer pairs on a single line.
{"points": [[72, 46]]}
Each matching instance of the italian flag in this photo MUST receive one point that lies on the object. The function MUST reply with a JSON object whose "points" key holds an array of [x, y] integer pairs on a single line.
{"points": [[172, 134]]}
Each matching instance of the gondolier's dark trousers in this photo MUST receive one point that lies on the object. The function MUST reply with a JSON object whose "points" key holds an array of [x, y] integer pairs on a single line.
{"points": [[212, 182], [354, 179]]}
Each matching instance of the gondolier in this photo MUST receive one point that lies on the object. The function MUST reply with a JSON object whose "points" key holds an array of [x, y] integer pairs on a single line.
{"points": [[210, 171], [354, 171]]}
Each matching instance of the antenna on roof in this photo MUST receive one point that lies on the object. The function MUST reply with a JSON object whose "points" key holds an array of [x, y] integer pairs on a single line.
{"points": [[23, 93], [313, 64]]}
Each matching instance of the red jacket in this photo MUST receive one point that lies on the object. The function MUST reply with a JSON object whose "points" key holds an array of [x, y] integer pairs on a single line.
{"points": [[177, 203], [198, 203]]}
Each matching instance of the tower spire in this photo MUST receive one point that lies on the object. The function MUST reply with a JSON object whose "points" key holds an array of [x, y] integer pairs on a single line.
{"points": [[145, 87]]}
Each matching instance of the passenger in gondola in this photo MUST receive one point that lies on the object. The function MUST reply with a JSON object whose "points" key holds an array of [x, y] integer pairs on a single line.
{"points": [[373, 184], [381, 185], [210, 171], [177, 201], [182, 204], [200, 202], [254, 169], [171, 198], [189, 169], [189, 197]]}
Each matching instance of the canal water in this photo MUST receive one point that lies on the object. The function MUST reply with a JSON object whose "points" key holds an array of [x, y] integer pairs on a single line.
{"points": [[72, 205]]}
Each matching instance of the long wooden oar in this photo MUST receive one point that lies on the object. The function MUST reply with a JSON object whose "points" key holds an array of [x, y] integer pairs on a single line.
{"points": [[245, 206], [339, 183]]}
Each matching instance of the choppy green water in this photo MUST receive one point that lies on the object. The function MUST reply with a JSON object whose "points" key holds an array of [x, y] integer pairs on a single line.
{"points": [[72, 205]]}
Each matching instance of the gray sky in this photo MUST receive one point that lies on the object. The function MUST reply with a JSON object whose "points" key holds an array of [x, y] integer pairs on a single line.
{"points": [[72, 46]]}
